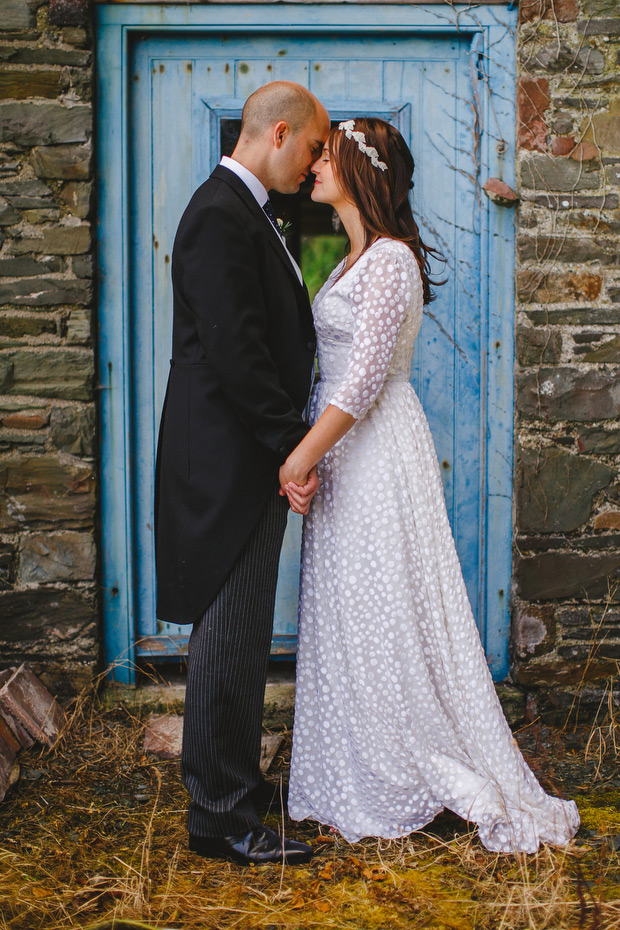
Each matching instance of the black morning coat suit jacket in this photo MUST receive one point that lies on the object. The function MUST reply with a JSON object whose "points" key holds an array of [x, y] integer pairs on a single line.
{"points": [[243, 348]]}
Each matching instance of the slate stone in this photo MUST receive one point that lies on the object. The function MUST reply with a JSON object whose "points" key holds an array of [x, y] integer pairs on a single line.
{"points": [[601, 441], [45, 492], [25, 420], [608, 352], [45, 56], [82, 266], [17, 327], [557, 670], [78, 327], [42, 623], [596, 316], [44, 124], [566, 249], [24, 85], [569, 394], [73, 429], [26, 266], [26, 701], [604, 128], [538, 346], [78, 198], [8, 215], [571, 201], [16, 15], [561, 57], [544, 172], [54, 372], [556, 489], [69, 162], [8, 566], [26, 194], [69, 12], [599, 27], [56, 557], [555, 287], [18, 441], [55, 240], [555, 575], [46, 292]]}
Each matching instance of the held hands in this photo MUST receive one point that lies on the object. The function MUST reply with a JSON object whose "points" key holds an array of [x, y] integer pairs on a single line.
{"points": [[299, 488]]}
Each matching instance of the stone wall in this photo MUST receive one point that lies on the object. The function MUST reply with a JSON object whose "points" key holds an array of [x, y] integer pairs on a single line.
{"points": [[566, 635], [48, 553]]}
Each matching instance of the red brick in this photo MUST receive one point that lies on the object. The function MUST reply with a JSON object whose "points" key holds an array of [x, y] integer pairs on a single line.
{"points": [[26, 702], [565, 11], [562, 145], [532, 103], [24, 421], [585, 151]]}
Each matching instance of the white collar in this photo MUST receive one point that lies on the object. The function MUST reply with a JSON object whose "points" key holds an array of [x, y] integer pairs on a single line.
{"points": [[256, 188]]}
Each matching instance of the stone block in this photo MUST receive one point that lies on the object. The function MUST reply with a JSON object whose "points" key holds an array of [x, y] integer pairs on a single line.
{"points": [[603, 127], [8, 567], [20, 327], [48, 628], [564, 11], [609, 26], [556, 669], [55, 240], [73, 429], [607, 520], [82, 266], [554, 287], [8, 215], [25, 700], [69, 13], [30, 123], [56, 557], [46, 492], [78, 327], [78, 198], [46, 55], [562, 58], [565, 249], [573, 201], [46, 292], [25, 420], [544, 172], [556, 489], [578, 316], [569, 394], [26, 194], [601, 441], [532, 103], [16, 15], [54, 372], [9, 748], [555, 575], [533, 629], [538, 346], [585, 151], [69, 162], [25, 266], [163, 736], [608, 352], [24, 85], [562, 145]]}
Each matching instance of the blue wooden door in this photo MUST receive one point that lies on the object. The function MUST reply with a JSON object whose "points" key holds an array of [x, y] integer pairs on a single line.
{"points": [[185, 93]]}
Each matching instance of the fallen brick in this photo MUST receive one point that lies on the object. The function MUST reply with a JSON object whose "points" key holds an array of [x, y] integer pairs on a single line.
{"points": [[26, 703]]}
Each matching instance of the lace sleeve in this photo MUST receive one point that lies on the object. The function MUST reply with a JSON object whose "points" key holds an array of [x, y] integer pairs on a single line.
{"points": [[382, 296]]}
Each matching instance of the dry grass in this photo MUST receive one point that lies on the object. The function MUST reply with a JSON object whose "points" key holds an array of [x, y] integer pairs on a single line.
{"points": [[94, 836]]}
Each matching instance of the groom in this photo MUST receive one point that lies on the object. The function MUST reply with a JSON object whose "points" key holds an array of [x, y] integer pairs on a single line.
{"points": [[242, 359]]}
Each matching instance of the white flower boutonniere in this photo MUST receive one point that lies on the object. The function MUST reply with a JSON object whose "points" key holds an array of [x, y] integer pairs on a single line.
{"points": [[283, 226]]}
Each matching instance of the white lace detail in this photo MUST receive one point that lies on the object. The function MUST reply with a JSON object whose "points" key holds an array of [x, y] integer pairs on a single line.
{"points": [[348, 127], [396, 713]]}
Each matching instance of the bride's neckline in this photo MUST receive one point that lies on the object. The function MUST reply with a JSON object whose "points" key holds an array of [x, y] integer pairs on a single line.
{"points": [[357, 260]]}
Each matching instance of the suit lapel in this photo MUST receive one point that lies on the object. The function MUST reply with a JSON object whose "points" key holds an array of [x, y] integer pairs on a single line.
{"points": [[230, 178]]}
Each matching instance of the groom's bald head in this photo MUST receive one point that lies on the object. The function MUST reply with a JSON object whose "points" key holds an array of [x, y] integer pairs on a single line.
{"points": [[275, 102]]}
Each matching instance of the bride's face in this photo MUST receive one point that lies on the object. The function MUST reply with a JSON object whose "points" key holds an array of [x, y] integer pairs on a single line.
{"points": [[325, 188]]}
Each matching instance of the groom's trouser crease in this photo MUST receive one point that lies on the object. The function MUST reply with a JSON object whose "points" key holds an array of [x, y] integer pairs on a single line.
{"points": [[228, 658]]}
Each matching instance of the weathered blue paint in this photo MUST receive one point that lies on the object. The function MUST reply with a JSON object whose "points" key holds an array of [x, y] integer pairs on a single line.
{"points": [[409, 64]]}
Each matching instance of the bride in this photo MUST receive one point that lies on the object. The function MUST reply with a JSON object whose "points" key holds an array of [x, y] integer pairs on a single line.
{"points": [[396, 715]]}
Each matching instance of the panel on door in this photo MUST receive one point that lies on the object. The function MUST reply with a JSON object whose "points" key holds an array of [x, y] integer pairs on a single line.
{"points": [[186, 94]]}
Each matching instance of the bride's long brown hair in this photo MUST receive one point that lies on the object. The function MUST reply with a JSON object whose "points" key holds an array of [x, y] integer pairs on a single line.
{"points": [[382, 197]]}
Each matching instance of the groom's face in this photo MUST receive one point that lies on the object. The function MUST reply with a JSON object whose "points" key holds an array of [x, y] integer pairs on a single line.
{"points": [[297, 152]]}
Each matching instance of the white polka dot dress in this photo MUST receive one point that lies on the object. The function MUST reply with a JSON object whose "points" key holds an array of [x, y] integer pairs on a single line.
{"points": [[396, 715]]}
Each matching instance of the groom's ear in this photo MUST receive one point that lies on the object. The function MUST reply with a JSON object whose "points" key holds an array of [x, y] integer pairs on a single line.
{"points": [[280, 131]]}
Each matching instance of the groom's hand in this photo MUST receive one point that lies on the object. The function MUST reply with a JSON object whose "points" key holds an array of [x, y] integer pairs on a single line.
{"points": [[299, 496]]}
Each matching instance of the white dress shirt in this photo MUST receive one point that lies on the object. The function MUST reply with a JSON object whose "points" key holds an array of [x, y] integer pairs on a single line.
{"points": [[259, 192]]}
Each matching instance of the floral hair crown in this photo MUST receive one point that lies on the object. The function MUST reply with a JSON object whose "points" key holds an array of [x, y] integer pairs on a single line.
{"points": [[348, 127]]}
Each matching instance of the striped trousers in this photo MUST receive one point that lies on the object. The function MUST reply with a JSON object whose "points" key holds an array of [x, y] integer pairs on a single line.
{"points": [[228, 657]]}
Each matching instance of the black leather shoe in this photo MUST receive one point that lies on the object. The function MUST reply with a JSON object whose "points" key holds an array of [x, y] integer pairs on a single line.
{"points": [[257, 846]]}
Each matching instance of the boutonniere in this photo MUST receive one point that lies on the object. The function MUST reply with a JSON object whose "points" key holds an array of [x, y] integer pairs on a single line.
{"points": [[283, 226]]}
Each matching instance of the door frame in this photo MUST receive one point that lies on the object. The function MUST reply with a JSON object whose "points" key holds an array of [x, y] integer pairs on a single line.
{"points": [[493, 51]]}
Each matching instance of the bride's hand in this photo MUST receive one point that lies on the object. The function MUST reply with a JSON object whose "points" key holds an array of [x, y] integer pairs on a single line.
{"points": [[299, 494]]}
